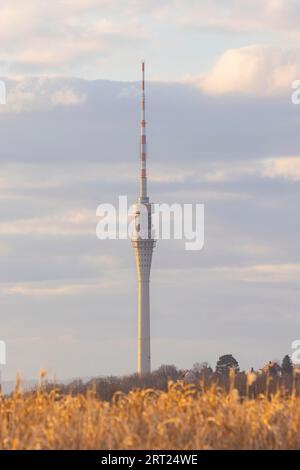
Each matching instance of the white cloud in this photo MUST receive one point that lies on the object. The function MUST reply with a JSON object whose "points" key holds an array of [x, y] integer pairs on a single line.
{"points": [[72, 223], [72, 35], [242, 16], [43, 36], [25, 95], [21, 179], [263, 273], [59, 289], [280, 167], [288, 167], [277, 167], [255, 69], [257, 273], [67, 96]]}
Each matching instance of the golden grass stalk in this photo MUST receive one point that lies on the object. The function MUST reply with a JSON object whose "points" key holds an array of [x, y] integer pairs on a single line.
{"points": [[180, 418]]}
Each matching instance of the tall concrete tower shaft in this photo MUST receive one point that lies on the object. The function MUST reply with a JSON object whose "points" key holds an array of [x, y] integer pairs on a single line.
{"points": [[143, 244]]}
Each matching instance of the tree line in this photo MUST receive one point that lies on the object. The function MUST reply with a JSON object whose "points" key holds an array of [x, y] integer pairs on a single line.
{"points": [[271, 378]]}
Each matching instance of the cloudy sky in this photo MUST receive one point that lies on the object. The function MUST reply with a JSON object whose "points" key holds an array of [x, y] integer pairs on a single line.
{"points": [[222, 130]]}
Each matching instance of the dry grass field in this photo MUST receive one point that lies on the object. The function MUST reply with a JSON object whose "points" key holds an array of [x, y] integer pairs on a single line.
{"points": [[183, 417]]}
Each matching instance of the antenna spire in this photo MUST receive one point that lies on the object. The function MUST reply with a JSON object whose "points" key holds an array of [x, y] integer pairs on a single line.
{"points": [[143, 149]]}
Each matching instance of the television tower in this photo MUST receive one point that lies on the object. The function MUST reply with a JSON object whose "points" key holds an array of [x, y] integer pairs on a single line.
{"points": [[143, 244]]}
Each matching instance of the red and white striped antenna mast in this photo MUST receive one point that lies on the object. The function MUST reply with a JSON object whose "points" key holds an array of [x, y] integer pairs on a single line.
{"points": [[143, 149]]}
